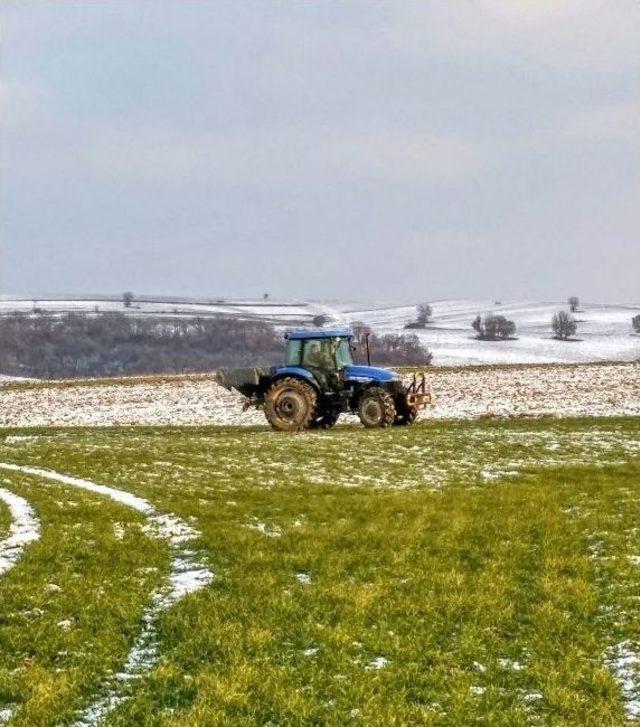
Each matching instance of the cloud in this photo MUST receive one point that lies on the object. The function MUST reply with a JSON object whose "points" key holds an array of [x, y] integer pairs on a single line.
{"points": [[618, 121], [283, 156], [541, 14], [560, 35], [21, 103]]}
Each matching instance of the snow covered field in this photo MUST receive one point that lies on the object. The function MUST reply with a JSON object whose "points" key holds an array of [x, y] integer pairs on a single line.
{"points": [[604, 331], [560, 390]]}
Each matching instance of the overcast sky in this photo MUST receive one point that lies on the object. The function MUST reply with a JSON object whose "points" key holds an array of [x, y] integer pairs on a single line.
{"points": [[354, 150]]}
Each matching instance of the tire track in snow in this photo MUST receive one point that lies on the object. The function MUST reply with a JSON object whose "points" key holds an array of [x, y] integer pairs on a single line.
{"points": [[188, 574], [24, 529]]}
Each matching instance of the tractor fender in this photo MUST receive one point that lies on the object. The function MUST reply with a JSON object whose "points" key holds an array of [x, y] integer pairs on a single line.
{"points": [[296, 372]]}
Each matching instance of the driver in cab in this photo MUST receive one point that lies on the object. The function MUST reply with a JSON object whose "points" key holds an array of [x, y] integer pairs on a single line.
{"points": [[317, 357]]}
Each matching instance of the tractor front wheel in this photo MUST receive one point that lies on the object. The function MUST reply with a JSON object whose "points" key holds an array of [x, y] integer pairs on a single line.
{"points": [[376, 408], [325, 419], [405, 414], [289, 405]]}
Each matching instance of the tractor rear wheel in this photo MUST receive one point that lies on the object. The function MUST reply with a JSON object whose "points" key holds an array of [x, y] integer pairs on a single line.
{"points": [[289, 405], [376, 408]]}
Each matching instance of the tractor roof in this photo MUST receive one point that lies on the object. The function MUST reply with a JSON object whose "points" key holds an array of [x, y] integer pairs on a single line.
{"points": [[311, 333]]}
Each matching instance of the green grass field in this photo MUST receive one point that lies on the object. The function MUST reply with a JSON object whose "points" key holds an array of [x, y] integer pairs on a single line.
{"points": [[449, 573]]}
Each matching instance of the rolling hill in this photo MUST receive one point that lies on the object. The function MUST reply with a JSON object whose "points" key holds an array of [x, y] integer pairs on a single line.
{"points": [[604, 333]]}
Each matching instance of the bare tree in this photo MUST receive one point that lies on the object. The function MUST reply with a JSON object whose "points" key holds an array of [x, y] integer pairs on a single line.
{"points": [[635, 321], [424, 313], [360, 332], [506, 328], [574, 302], [128, 298], [564, 325], [423, 316]]}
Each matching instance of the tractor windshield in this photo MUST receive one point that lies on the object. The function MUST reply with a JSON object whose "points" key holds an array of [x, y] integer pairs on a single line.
{"points": [[325, 354], [343, 353]]}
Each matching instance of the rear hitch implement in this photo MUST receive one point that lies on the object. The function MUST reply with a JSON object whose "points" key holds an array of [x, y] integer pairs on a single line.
{"points": [[418, 396]]}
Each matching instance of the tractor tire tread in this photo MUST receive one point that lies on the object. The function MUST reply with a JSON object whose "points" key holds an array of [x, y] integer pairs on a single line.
{"points": [[388, 407]]}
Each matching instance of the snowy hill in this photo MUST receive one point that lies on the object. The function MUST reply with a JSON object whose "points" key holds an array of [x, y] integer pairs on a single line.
{"points": [[604, 331]]}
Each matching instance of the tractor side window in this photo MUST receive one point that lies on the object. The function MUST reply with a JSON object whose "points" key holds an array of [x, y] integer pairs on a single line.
{"points": [[294, 349]]}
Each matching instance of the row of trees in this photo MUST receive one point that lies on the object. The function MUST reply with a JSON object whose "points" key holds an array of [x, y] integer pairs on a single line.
{"points": [[115, 344], [495, 327], [498, 328]]}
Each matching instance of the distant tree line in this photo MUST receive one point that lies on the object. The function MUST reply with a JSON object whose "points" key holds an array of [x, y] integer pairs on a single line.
{"points": [[114, 344], [77, 345]]}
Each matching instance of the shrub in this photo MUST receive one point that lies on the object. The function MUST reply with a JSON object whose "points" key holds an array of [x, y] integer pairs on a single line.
{"points": [[400, 349], [493, 328], [564, 325], [635, 321], [423, 316], [320, 320]]}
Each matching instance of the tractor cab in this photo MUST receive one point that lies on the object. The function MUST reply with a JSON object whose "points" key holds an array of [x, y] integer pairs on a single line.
{"points": [[324, 349], [327, 355]]}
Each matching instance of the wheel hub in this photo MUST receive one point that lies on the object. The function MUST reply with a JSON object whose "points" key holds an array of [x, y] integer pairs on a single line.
{"points": [[290, 405], [373, 411]]}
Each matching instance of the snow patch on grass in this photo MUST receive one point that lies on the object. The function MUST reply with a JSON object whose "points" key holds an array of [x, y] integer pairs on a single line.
{"points": [[624, 661], [269, 531], [510, 664], [7, 713], [380, 662]]}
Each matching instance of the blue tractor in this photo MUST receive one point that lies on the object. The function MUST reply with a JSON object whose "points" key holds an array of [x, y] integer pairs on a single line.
{"points": [[319, 381]]}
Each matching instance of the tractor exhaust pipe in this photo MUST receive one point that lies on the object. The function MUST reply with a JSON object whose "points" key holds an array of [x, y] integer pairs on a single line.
{"points": [[366, 338]]}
